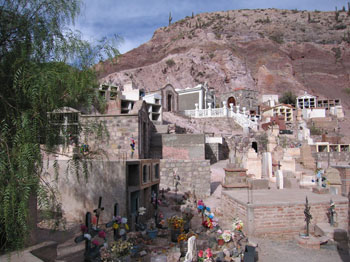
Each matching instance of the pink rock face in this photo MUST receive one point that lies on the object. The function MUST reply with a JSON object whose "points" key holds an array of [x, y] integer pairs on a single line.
{"points": [[272, 51]]}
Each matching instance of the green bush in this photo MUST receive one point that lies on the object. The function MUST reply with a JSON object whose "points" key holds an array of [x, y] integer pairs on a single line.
{"points": [[288, 98], [170, 62]]}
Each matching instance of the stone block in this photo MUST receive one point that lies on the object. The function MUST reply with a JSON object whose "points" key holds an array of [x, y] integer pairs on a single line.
{"points": [[256, 184]]}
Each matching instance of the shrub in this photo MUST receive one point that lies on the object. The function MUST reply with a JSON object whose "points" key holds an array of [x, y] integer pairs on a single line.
{"points": [[314, 131], [170, 62], [288, 98]]}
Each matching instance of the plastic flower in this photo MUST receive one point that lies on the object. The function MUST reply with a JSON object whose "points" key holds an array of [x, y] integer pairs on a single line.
{"points": [[115, 226], [200, 207], [226, 236], [142, 211], [200, 253], [122, 231], [83, 228], [209, 253], [124, 220], [208, 209], [95, 242], [200, 203], [102, 234]]}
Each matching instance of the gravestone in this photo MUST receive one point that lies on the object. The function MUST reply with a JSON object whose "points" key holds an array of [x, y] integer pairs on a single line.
{"points": [[333, 180], [266, 165], [253, 164], [279, 179], [306, 157]]}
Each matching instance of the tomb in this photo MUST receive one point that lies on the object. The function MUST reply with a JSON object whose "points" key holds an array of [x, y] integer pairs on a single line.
{"points": [[333, 180], [306, 101]]}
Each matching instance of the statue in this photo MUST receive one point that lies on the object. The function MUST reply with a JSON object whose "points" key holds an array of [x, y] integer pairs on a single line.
{"points": [[331, 213], [308, 216]]}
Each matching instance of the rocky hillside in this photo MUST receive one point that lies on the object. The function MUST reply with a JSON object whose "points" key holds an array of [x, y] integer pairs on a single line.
{"points": [[268, 50]]}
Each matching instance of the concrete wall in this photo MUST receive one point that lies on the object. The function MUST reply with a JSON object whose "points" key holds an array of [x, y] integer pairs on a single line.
{"points": [[194, 175], [183, 146], [188, 101], [334, 157], [79, 195]]}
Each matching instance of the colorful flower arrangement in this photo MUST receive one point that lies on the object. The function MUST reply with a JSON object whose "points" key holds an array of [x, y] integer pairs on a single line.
{"points": [[205, 256], [226, 236], [121, 224], [237, 224], [121, 248], [185, 237], [176, 222], [208, 219]]}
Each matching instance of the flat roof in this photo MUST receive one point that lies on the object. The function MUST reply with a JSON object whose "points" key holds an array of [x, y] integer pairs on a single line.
{"points": [[273, 197]]}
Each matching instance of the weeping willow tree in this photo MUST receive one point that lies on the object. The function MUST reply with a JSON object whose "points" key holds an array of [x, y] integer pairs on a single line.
{"points": [[43, 66]]}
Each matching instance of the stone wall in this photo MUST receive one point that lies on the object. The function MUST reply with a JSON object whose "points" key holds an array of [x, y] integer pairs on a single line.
{"points": [[344, 172], [111, 135], [183, 146], [243, 97], [194, 175]]}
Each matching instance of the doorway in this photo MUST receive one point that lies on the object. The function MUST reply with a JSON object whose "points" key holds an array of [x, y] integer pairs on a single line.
{"points": [[255, 146], [169, 98], [231, 100]]}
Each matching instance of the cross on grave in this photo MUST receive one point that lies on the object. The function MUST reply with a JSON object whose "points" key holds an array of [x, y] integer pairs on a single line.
{"points": [[98, 210], [331, 213], [91, 253], [308, 216], [155, 205], [111, 223]]}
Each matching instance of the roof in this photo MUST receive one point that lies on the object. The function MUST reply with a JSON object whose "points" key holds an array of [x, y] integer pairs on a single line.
{"points": [[279, 105]]}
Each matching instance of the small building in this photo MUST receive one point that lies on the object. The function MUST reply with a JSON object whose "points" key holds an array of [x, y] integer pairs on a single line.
{"points": [[328, 103], [199, 94], [242, 97], [280, 110], [306, 101]]}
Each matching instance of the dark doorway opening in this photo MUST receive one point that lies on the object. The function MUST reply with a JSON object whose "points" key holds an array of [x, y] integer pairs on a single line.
{"points": [[255, 146], [231, 100], [169, 102]]}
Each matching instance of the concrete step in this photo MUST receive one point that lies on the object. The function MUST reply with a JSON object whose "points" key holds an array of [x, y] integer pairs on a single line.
{"points": [[336, 233], [69, 247]]}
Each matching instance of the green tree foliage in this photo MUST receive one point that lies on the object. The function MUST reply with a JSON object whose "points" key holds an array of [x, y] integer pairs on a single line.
{"points": [[288, 98], [43, 66]]}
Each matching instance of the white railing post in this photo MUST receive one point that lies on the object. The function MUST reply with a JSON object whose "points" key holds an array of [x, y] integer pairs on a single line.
{"points": [[209, 109], [224, 108], [196, 114], [231, 109], [237, 109], [243, 111]]}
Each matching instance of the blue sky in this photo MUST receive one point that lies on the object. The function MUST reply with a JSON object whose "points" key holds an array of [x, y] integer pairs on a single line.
{"points": [[136, 20]]}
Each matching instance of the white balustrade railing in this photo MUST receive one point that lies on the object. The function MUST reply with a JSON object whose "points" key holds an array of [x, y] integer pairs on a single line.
{"points": [[241, 118]]}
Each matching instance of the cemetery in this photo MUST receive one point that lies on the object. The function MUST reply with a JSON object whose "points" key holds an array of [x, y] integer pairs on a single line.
{"points": [[146, 193]]}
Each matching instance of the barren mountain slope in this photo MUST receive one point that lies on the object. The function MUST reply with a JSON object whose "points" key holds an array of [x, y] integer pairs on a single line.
{"points": [[267, 50]]}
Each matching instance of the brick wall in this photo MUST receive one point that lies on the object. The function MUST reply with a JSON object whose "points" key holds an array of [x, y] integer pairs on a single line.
{"points": [[281, 218], [290, 218], [233, 208], [194, 175]]}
